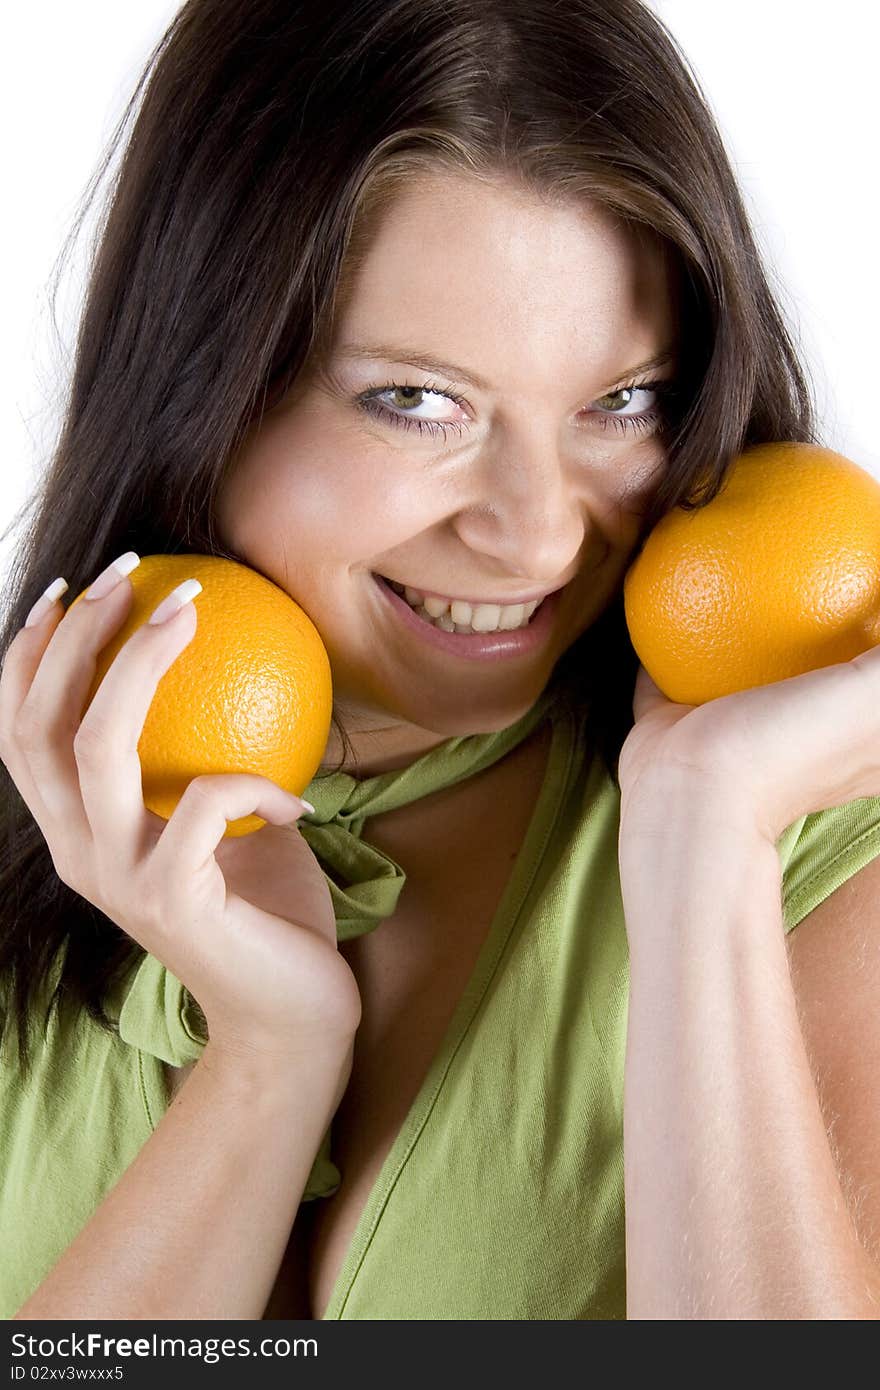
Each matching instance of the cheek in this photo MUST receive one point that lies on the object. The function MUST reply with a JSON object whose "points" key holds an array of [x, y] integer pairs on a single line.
{"points": [[228, 511], [364, 501], [641, 479], [302, 500], [329, 515]]}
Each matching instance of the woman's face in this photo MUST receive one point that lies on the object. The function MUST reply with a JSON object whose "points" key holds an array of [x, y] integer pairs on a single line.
{"points": [[541, 315]]}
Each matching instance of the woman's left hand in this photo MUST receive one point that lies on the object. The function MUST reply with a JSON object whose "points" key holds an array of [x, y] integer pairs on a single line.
{"points": [[786, 749]]}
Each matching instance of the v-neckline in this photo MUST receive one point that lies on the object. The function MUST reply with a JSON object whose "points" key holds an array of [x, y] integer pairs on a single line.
{"points": [[531, 852]]}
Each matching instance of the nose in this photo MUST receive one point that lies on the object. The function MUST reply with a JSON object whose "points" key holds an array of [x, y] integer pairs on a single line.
{"points": [[526, 511]]}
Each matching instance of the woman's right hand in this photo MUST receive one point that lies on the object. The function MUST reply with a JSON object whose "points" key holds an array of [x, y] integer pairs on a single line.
{"points": [[246, 923]]}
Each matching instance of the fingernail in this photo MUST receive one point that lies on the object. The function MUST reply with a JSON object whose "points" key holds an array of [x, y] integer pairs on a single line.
{"points": [[308, 805], [46, 602], [177, 599], [110, 577]]}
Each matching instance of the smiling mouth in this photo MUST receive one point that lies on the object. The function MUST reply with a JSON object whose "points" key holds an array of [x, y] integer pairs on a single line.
{"points": [[457, 616], [471, 603]]}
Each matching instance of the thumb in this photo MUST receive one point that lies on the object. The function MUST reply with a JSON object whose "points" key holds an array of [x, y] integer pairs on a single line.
{"points": [[647, 696]]}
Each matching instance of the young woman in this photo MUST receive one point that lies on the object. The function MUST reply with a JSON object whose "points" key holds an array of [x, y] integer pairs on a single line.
{"points": [[410, 305]]}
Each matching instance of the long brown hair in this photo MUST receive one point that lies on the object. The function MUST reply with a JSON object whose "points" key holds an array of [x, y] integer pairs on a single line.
{"points": [[264, 137]]}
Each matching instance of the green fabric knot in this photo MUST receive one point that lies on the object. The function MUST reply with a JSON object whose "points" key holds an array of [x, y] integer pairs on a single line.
{"points": [[365, 883], [374, 879]]}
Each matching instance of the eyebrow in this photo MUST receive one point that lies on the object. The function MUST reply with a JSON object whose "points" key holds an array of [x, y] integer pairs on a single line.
{"points": [[415, 357]]}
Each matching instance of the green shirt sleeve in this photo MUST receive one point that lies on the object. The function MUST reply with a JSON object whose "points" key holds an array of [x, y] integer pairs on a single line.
{"points": [[821, 851]]}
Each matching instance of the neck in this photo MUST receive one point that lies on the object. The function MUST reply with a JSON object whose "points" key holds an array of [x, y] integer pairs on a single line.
{"points": [[381, 749]]}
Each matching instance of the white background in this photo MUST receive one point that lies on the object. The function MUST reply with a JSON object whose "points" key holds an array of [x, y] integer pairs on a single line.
{"points": [[793, 83]]}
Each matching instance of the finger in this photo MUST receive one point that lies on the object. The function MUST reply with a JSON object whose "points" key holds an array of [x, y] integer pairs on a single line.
{"points": [[868, 660], [647, 695], [52, 708], [106, 743], [20, 664], [805, 743], [199, 820]]}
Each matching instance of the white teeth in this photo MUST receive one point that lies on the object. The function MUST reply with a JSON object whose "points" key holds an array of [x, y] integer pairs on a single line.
{"points": [[435, 606], [518, 617], [491, 617], [509, 616], [482, 617]]}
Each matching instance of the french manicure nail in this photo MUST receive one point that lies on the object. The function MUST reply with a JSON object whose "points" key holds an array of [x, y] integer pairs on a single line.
{"points": [[110, 577], [46, 602], [176, 600]]}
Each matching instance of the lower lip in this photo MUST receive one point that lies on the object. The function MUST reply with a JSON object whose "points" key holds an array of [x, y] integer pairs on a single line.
{"points": [[478, 646]]}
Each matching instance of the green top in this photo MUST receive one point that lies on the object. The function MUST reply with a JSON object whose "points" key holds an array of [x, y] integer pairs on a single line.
{"points": [[502, 1196]]}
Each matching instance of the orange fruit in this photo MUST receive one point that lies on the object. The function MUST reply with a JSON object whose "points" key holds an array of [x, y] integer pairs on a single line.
{"points": [[251, 692], [777, 575]]}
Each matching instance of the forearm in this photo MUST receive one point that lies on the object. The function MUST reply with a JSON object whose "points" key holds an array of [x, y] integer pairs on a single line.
{"points": [[197, 1225], [734, 1208]]}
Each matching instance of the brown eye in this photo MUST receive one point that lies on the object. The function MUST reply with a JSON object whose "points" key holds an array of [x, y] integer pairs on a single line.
{"points": [[623, 395], [613, 407]]}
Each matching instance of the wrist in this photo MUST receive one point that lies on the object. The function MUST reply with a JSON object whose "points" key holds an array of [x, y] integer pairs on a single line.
{"points": [[279, 1077], [669, 801], [691, 863]]}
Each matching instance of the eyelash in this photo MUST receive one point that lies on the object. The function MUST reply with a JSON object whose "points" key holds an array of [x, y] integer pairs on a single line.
{"points": [[626, 424]]}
